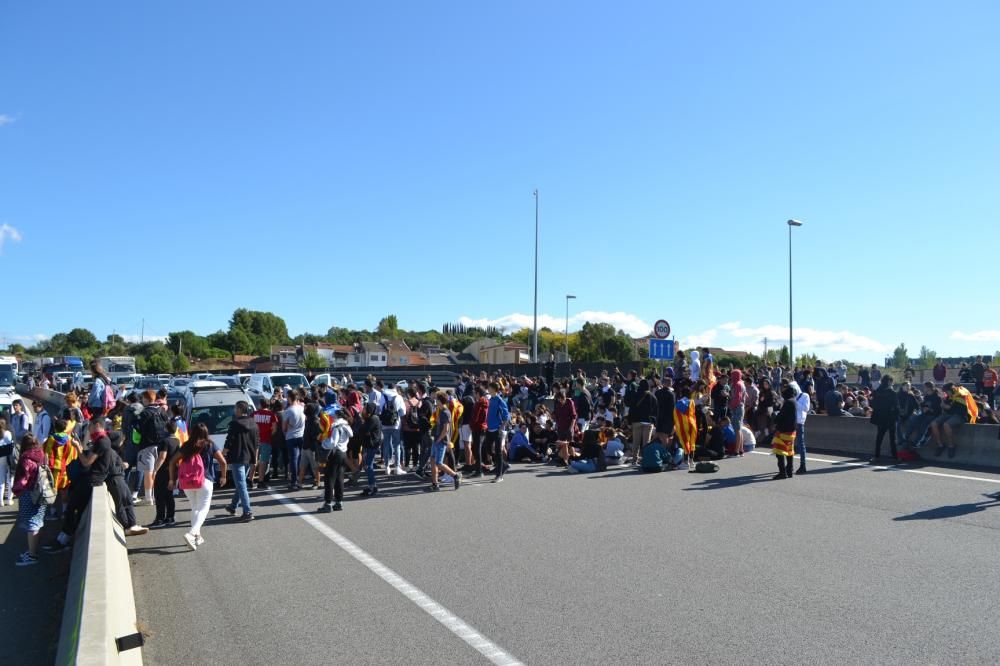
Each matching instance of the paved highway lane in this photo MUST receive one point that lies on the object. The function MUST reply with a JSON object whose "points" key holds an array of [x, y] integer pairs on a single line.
{"points": [[849, 564]]}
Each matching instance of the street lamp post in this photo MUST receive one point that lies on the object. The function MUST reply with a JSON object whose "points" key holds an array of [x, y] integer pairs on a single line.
{"points": [[791, 354], [534, 333], [566, 345]]}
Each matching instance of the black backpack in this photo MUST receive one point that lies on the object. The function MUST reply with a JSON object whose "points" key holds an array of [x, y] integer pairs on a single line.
{"points": [[413, 417], [153, 426], [389, 416]]}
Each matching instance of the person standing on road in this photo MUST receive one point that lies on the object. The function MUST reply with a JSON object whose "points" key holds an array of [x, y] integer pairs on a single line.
{"points": [[310, 442], [293, 424], [641, 414], [665, 403], [737, 398], [152, 431], [333, 476], [98, 390], [477, 425], [30, 514], [191, 470], [497, 415], [885, 413], [802, 406], [43, 422], [425, 410], [393, 411], [8, 463], [783, 442], [371, 442], [439, 445], [241, 455], [162, 495], [411, 430]]}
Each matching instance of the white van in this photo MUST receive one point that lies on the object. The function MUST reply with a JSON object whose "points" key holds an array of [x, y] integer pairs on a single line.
{"points": [[214, 404], [262, 385]]}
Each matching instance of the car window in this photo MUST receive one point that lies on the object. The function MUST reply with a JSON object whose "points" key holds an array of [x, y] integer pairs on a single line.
{"points": [[216, 418]]}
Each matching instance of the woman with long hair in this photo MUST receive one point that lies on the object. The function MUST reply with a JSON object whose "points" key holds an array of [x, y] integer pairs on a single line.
{"points": [[30, 515], [191, 469]]}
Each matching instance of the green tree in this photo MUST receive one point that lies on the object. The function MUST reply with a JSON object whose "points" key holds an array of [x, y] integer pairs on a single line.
{"points": [[262, 329], [81, 338], [313, 361], [16, 349], [181, 363], [900, 357], [388, 327], [160, 362], [783, 355], [928, 357]]}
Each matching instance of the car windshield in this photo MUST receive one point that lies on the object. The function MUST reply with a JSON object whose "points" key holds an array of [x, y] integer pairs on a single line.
{"points": [[6, 378], [121, 368], [181, 382], [216, 418], [295, 381], [228, 381]]}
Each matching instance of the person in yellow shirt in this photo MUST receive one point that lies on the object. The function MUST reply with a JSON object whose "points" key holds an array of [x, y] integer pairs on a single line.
{"points": [[60, 450]]}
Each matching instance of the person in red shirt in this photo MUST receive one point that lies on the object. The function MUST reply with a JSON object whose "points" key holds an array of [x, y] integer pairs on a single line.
{"points": [[267, 423], [990, 379]]}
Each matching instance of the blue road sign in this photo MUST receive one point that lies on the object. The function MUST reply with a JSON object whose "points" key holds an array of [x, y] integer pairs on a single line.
{"points": [[661, 350]]}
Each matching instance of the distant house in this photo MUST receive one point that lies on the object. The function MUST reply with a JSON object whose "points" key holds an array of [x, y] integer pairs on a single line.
{"points": [[375, 354], [336, 356], [507, 353], [284, 357], [480, 344]]}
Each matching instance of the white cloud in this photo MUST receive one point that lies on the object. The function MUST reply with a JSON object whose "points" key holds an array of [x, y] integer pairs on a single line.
{"points": [[977, 336], [145, 338], [629, 323], [37, 337], [5, 120], [8, 232], [734, 336]]}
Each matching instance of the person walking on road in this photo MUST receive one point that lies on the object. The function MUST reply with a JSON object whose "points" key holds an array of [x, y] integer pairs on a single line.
{"points": [[267, 425], [152, 430], [802, 406], [885, 414], [191, 470], [393, 411], [162, 495], [439, 445], [31, 512], [241, 455]]}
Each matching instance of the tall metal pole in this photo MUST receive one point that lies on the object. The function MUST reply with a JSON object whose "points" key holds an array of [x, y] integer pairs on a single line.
{"points": [[791, 355], [534, 335], [566, 344]]}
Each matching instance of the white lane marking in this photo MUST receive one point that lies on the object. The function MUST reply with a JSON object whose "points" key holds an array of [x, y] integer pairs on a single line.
{"points": [[891, 468], [452, 622]]}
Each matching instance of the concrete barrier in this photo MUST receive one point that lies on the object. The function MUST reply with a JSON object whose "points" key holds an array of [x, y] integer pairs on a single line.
{"points": [[100, 605], [976, 445]]}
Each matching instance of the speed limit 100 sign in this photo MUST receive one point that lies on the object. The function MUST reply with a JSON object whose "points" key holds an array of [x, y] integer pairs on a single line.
{"points": [[661, 329]]}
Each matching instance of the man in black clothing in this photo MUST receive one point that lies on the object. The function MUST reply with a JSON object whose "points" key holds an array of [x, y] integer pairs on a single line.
{"points": [[665, 402]]}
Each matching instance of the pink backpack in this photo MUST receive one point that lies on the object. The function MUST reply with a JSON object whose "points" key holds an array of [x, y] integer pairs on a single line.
{"points": [[191, 473]]}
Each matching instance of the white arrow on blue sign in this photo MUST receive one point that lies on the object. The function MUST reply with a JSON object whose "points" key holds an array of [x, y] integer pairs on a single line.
{"points": [[661, 350]]}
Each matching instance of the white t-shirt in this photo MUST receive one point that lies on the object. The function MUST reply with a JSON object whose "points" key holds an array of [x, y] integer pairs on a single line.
{"points": [[749, 441], [294, 417]]}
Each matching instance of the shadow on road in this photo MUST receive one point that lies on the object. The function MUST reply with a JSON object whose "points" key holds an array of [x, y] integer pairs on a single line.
{"points": [[729, 482], [952, 510]]}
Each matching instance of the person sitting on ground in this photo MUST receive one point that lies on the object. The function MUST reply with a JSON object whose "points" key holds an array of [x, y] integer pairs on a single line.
{"points": [[519, 445], [729, 436], [614, 449], [656, 457], [591, 454]]}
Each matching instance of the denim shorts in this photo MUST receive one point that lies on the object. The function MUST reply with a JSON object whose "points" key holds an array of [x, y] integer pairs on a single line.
{"points": [[952, 420], [437, 452], [264, 453]]}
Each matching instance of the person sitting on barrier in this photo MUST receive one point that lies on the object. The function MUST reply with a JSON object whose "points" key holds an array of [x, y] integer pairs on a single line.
{"points": [[959, 407], [915, 429]]}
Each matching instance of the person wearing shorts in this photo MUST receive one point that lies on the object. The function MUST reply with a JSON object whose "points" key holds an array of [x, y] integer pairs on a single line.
{"points": [[146, 460], [439, 446], [956, 412], [465, 441]]}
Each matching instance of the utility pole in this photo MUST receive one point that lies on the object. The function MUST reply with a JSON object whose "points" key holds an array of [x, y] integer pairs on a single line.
{"points": [[534, 335], [142, 332]]}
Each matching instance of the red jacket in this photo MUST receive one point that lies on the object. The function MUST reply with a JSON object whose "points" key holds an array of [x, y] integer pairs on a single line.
{"points": [[478, 422], [565, 415]]}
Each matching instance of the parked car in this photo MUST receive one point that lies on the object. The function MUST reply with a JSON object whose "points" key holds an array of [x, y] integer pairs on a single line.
{"points": [[264, 384]]}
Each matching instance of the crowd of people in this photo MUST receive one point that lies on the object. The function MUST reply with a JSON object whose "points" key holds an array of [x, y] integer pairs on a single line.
{"points": [[686, 416]]}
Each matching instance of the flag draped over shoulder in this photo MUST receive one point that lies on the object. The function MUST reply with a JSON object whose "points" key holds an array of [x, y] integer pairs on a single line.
{"points": [[960, 395], [686, 424]]}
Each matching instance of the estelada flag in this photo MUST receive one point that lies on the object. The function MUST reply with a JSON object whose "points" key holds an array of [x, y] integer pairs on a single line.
{"points": [[686, 424]]}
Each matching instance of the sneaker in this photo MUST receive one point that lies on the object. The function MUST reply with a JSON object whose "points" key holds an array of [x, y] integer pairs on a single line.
{"points": [[431, 489], [231, 510], [499, 479], [198, 540], [419, 472], [801, 470], [366, 492], [169, 522], [351, 482], [939, 450], [263, 486], [374, 491], [326, 508], [315, 486], [477, 475], [156, 523], [246, 518], [53, 548], [458, 480], [445, 479], [191, 541], [136, 530], [26, 560], [135, 497], [337, 506], [389, 471], [400, 471]]}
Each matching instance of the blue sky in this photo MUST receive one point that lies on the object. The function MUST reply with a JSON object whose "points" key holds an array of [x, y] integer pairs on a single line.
{"points": [[334, 162]]}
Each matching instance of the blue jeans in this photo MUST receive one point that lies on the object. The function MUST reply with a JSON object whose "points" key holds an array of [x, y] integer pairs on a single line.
{"points": [[392, 446], [293, 447], [584, 466], [240, 494], [800, 442], [370, 465]]}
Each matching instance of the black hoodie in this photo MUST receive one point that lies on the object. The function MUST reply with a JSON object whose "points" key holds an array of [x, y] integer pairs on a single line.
{"points": [[241, 441]]}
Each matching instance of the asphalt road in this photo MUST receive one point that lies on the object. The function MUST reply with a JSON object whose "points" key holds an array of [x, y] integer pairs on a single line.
{"points": [[847, 565]]}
